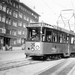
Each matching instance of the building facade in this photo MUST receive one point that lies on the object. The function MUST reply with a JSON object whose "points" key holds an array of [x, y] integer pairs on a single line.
{"points": [[14, 17]]}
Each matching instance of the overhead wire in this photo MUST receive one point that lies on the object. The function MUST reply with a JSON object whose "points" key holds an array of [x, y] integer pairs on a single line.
{"points": [[49, 7], [65, 8], [59, 4], [72, 4], [73, 12]]}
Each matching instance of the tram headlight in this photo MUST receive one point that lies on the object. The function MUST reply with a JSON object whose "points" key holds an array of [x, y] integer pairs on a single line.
{"points": [[32, 49], [32, 46]]}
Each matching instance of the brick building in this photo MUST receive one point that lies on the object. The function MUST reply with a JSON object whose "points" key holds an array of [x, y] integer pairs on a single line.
{"points": [[14, 17]]}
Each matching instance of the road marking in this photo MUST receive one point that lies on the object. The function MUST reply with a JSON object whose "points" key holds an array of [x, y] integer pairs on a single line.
{"points": [[73, 69], [58, 68], [44, 72], [61, 69]]}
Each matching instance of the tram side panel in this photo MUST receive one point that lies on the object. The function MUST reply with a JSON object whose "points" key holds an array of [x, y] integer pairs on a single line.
{"points": [[45, 48], [54, 48], [72, 49]]}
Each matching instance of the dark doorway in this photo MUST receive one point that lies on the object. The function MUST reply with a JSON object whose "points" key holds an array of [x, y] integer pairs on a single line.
{"points": [[6, 41]]}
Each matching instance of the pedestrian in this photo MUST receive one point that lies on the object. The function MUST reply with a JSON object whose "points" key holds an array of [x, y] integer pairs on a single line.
{"points": [[6, 47]]}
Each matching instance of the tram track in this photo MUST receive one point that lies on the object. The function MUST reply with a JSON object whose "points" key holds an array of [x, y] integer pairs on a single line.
{"points": [[17, 63], [62, 68]]}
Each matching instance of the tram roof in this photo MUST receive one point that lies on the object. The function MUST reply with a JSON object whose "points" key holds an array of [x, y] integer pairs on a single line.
{"points": [[42, 24]]}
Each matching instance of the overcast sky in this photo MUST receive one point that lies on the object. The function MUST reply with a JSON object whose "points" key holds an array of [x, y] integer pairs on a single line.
{"points": [[50, 9]]}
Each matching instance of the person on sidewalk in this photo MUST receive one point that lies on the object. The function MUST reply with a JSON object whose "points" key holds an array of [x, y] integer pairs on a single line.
{"points": [[6, 47]]}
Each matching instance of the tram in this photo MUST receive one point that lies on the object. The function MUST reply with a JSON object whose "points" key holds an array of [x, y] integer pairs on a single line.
{"points": [[48, 41]]}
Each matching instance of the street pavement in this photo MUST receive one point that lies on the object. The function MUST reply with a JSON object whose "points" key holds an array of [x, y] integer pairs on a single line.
{"points": [[30, 69], [54, 67], [63, 68]]}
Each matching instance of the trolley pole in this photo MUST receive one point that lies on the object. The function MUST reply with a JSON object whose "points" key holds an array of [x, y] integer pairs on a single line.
{"points": [[66, 18]]}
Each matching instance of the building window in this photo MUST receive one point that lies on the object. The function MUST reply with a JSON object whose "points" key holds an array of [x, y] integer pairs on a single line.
{"points": [[14, 42], [2, 30], [20, 6], [7, 10], [15, 14], [19, 32], [24, 25], [7, 1], [23, 32], [0, 6], [10, 11], [15, 23], [19, 40], [3, 19], [20, 23], [14, 32], [8, 32], [24, 17], [32, 14], [31, 21], [4, 8], [0, 17], [14, 4], [1, 40], [7, 20], [27, 18], [20, 14], [22, 40], [10, 2]]}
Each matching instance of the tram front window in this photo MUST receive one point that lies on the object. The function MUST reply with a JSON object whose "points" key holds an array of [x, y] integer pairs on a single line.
{"points": [[33, 34]]}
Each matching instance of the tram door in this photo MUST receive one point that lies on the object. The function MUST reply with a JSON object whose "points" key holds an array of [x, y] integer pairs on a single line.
{"points": [[68, 45]]}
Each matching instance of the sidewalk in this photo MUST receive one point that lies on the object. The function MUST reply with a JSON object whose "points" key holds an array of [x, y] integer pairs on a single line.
{"points": [[6, 56], [13, 48]]}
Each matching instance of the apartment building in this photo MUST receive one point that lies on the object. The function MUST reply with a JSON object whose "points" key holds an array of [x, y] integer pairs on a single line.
{"points": [[14, 17]]}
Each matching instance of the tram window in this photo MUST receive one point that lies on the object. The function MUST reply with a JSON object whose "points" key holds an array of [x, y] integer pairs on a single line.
{"points": [[33, 34], [43, 37], [64, 38], [54, 37], [49, 38], [49, 35], [60, 37], [43, 34], [61, 41], [72, 40]]}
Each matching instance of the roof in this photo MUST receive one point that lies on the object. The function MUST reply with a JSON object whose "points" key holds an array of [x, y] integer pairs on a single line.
{"points": [[41, 24], [29, 8]]}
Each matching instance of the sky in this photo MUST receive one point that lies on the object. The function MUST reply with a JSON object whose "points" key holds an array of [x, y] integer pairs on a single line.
{"points": [[50, 11]]}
